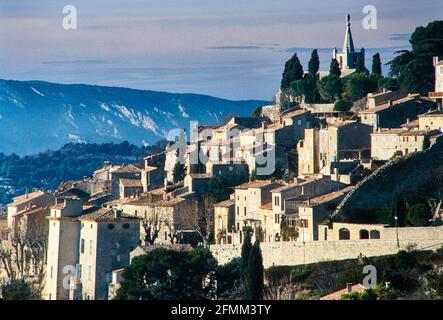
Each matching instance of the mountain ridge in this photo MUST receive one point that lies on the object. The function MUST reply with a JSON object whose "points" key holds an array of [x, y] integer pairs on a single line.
{"points": [[37, 115]]}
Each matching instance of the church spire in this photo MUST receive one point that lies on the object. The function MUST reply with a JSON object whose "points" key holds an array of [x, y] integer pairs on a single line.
{"points": [[348, 45]]}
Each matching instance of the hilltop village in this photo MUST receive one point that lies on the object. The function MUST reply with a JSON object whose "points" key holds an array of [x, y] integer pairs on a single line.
{"points": [[286, 175]]}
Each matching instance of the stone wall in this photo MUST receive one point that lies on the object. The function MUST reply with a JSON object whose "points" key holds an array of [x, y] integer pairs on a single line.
{"points": [[297, 253]]}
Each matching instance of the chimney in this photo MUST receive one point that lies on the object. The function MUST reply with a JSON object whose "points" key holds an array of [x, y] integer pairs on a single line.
{"points": [[348, 287], [390, 103]]}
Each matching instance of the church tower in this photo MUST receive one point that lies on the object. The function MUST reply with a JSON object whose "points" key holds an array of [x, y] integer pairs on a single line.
{"points": [[348, 57]]}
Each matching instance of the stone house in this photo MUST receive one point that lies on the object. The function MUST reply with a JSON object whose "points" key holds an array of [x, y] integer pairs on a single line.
{"points": [[432, 120], [224, 221], [344, 140], [394, 113], [437, 95], [130, 188], [125, 172], [85, 244], [106, 238], [168, 218], [317, 210]]}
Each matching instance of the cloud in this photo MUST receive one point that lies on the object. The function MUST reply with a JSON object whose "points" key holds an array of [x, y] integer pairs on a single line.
{"points": [[259, 46], [399, 36], [90, 61]]}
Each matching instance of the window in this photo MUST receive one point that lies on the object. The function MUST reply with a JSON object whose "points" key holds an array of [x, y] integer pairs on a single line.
{"points": [[90, 246], [220, 223], [238, 210], [299, 122], [344, 234], [364, 234], [166, 236], [52, 271], [126, 226], [110, 226], [375, 234], [82, 246], [277, 201], [244, 210], [90, 272]]}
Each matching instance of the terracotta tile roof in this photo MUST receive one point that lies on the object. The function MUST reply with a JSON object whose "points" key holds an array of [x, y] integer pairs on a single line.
{"points": [[128, 169], [395, 102], [131, 183], [327, 197], [150, 168], [225, 204], [32, 210], [105, 215], [411, 124], [258, 184], [294, 113], [337, 295], [26, 197], [200, 175], [267, 206]]}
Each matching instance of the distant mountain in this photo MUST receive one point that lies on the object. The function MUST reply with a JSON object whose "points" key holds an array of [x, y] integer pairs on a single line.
{"points": [[35, 115]]}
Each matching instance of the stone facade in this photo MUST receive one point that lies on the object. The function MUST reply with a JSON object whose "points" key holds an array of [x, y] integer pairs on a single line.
{"points": [[298, 253]]}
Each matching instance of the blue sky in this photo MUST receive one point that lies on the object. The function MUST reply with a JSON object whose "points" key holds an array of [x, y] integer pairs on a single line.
{"points": [[226, 48]]}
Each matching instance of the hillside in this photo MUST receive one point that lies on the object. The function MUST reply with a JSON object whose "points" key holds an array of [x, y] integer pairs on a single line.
{"points": [[36, 116], [48, 169]]}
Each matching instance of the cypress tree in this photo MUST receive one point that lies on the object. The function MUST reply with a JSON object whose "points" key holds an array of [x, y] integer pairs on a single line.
{"points": [[334, 68], [255, 274], [245, 253], [314, 64], [359, 65], [293, 71], [376, 64]]}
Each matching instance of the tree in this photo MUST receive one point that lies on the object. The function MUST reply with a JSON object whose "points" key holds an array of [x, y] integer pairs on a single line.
{"points": [[288, 233], [179, 172], [376, 65], [334, 67], [293, 71], [342, 105], [255, 276], [330, 88], [358, 85], [228, 279], [418, 215], [360, 65], [16, 290], [163, 274], [245, 253], [414, 68], [314, 64]]}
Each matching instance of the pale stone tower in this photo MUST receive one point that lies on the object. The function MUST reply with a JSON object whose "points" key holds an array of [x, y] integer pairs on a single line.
{"points": [[63, 248], [348, 57]]}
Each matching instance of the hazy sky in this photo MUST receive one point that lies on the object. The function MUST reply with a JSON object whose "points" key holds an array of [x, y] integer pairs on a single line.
{"points": [[226, 48]]}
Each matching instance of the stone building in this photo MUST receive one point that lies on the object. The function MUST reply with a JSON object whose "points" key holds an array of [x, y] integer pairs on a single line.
{"points": [[347, 59], [344, 140], [125, 172], [432, 120], [85, 244], [224, 221], [25, 203], [387, 143], [106, 238], [394, 113], [437, 95], [166, 218]]}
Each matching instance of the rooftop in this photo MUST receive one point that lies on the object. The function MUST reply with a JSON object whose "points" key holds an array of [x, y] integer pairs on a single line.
{"points": [[128, 169], [337, 295], [433, 113], [131, 183], [255, 184], [385, 106], [294, 113], [106, 215], [327, 197], [225, 204], [26, 197]]}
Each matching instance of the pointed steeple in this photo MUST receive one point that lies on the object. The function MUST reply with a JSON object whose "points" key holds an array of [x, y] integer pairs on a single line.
{"points": [[348, 45]]}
